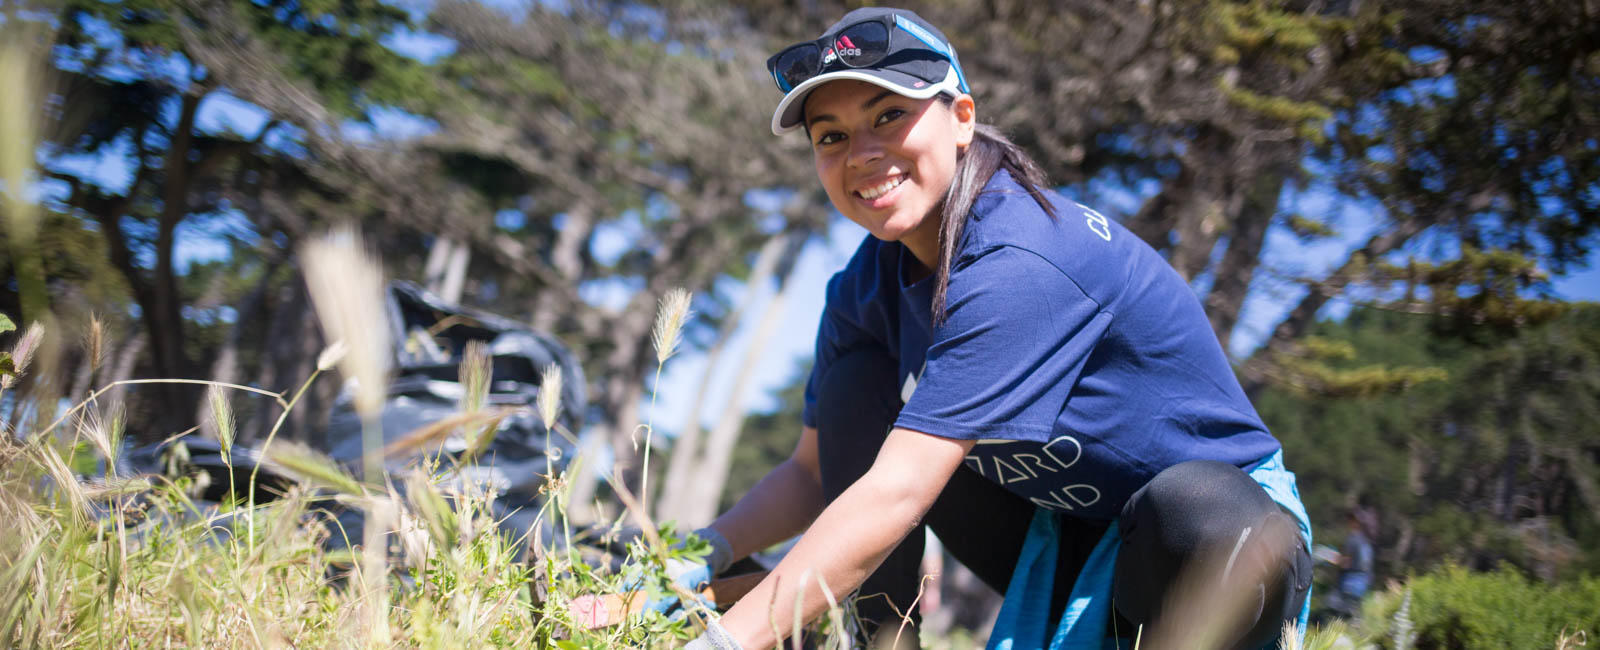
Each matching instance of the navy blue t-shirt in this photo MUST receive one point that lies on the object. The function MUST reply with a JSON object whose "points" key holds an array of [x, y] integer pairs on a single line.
{"points": [[1072, 353]]}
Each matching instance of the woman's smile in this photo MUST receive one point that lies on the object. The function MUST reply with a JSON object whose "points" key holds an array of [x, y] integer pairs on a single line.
{"points": [[874, 192]]}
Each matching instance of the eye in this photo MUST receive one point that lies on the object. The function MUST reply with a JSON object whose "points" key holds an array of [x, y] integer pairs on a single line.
{"points": [[829, 137], [890, 116]]}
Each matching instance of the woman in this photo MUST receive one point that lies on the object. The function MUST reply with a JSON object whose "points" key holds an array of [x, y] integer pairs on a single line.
{"points": [[1013, 370]]}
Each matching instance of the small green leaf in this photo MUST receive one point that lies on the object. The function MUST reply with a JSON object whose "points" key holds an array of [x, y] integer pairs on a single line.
{"points": [[5, 324], [6, 366]]}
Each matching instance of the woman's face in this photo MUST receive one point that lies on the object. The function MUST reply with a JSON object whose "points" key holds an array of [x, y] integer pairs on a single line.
{"points": [[886, 160]]}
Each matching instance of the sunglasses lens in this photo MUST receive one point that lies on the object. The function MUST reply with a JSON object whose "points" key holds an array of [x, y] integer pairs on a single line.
{"points": [[862, 44], [797, 64]]}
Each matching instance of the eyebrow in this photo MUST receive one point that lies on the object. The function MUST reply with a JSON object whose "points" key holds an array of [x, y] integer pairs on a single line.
{"points": [[864, 106]]}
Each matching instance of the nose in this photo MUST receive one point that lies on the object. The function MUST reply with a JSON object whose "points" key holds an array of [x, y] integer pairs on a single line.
{"points": [[865, 149]]}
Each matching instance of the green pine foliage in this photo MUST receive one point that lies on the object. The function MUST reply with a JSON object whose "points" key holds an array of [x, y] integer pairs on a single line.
{"points": [[1491, 460]]}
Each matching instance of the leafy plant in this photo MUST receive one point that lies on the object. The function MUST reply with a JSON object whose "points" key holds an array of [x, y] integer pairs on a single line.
{"points": [[1454, 607]]}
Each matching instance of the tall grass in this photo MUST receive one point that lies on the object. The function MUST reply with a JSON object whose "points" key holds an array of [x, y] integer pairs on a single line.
{"points": [[139, 561]]}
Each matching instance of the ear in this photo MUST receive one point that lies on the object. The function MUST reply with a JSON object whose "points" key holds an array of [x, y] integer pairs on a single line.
{"points": [[964, 113]]}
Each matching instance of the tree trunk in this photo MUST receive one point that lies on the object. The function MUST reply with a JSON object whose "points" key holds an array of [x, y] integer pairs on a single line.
{"points": [[618, 400], [622, 399], [701, 507], [686, 454], [446, 272], [225, 366], [1232, 282]]}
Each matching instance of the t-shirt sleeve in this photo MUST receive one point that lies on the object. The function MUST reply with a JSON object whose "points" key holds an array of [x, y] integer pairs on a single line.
{"points": [[1016, 337]]}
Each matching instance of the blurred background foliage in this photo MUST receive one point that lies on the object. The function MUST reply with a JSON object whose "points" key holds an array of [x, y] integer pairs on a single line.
{"points": [[500, 152]]}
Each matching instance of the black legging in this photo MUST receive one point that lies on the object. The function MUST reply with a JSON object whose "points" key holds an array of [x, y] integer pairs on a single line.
{"points": [[1187, 511]]}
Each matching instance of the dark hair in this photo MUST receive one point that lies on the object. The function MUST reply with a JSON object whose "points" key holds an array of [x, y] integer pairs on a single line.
{"points": [[990, 151]]}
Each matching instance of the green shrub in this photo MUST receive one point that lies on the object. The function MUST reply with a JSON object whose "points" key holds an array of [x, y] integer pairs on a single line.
{"points": [[1453, 607]]}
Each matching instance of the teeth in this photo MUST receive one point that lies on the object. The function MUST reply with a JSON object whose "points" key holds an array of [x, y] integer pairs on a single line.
{"points": [[880, 189]]}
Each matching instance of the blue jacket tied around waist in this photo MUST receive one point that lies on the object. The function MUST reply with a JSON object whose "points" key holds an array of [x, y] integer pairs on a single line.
{"points": [[1024, 622]]}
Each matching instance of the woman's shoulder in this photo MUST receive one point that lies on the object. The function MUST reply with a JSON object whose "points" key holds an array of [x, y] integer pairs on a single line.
{"points": [[1007, 214], [1095, 252]]}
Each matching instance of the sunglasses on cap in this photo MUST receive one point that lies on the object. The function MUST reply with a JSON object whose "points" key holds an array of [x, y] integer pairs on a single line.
{"points": [[857, 45]]}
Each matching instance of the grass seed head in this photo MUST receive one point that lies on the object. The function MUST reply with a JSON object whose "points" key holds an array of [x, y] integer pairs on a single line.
{"points": [[550, 395], [476, 369], [105, 433], [432, 508], [670, 318], [94, 344], [346, 286], [222, 423], [63, 481], [100, 490], [22, 354], [331, 355]]}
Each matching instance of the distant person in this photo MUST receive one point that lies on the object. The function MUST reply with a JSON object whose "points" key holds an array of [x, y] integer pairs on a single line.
{"points": [[1012, 369], [1355, 563]]}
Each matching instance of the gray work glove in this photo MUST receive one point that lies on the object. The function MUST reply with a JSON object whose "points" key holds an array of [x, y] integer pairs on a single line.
{"points": [[715, 637]]}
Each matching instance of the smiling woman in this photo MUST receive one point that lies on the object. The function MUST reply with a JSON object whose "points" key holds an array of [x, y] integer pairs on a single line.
{"points": [[1016, 373]]}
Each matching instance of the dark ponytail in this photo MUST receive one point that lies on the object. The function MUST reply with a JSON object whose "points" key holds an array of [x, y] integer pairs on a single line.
{"points": [[990, 151]]}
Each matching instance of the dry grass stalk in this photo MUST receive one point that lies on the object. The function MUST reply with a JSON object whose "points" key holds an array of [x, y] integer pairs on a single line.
{"points": [[668, 332], [101, 490], [1290, 638], [435, 432], [346, 286], [311, 467], [347, 289], [840, 638], [1566, 641], [476, 372], [17, 135], [62, 481], [381, 517], [433, 509], [799, 609]]}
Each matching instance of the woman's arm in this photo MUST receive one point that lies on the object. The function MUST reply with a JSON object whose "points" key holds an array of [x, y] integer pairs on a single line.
{"points": [[852, 536], [780, 505]]}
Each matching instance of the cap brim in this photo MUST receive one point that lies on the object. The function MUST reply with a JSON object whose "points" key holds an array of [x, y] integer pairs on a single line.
{"points": [[791, 111]]}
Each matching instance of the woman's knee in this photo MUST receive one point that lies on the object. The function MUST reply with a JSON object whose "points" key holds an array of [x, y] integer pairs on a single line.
{"points": [[856, 405], [858, 383], [1203, 533]]}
